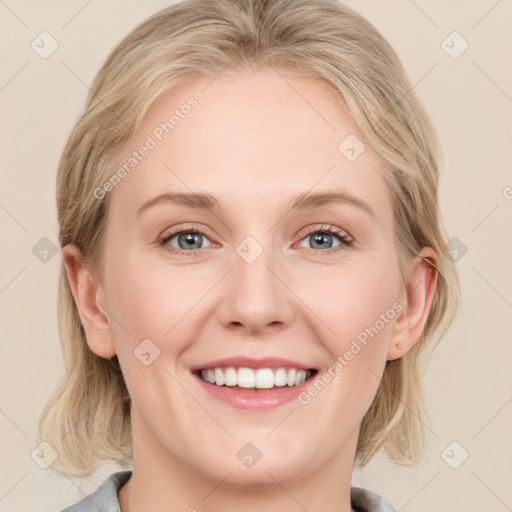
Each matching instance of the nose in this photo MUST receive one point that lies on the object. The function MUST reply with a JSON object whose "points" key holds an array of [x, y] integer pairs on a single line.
{"points": [[256, 296]]}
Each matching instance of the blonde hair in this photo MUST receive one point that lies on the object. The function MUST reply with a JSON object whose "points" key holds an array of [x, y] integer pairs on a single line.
{"points": [[87, 419]]}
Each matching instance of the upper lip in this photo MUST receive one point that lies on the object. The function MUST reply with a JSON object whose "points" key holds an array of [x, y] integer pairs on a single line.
{"points": [[249, 362]]}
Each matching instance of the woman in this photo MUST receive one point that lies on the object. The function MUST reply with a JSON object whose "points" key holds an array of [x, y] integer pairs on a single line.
{"points": [[254, 268]]}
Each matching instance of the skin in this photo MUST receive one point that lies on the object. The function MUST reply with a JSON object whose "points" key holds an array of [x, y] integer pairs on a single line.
{"points": [[254, 143]]}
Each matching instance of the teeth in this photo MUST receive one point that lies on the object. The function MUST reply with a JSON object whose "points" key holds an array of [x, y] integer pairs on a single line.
{"points": [[219, 376], [230, 376], [246, 378], [280, 377], [263, 378], [290, 378]]}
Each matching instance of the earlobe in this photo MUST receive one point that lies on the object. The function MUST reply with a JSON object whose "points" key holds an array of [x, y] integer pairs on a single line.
{"points": [[89, 299], [417, 301]]}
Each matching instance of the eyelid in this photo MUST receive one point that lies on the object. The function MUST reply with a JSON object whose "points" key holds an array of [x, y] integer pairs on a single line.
{"points": [[185, 227], [327, 228]]}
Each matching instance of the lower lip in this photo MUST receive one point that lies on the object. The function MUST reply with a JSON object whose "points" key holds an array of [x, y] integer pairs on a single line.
{"points": [[255, 400]]}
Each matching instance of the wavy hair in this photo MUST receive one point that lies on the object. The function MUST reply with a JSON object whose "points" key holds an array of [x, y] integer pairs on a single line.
{"points": [[87, 417]]}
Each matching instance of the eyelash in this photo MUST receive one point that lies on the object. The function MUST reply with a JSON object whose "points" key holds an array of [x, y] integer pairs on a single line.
{"points": [[338, 233]]}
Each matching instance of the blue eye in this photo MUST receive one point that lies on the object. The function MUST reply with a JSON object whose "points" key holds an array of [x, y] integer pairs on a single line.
{"points": [[191, 241], [323, 238], [187, 239]]}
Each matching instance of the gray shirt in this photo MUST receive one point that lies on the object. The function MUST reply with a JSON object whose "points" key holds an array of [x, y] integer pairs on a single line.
{"points": [[104, 499]]}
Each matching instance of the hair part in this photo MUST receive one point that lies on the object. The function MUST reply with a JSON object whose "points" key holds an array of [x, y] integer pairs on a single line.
{"points": [[87, 418]]}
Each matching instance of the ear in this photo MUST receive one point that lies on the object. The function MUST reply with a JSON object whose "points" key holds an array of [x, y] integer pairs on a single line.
{"points": [[90, 301], [416, 300]]}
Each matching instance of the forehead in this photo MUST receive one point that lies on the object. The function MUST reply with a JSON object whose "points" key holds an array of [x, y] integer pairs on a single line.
{"points": [[249, 136]]}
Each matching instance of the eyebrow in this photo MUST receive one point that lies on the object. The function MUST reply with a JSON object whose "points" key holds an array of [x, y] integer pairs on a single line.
{"points": [[303, 201]]}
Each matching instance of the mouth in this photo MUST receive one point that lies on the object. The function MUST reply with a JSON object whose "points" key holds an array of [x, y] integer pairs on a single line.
{"points": [[251, 379]]}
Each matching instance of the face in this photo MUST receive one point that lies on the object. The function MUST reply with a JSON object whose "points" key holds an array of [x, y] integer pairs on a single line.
{"points": [[250, 277]]}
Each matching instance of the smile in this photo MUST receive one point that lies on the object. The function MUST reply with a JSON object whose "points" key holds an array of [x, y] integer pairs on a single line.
{"points": [[248, 378], [251, 383]]}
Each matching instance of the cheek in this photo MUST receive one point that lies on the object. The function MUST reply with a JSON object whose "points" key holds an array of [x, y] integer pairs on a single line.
{"points": [[357, 306], [152, 302], [358, 309]]}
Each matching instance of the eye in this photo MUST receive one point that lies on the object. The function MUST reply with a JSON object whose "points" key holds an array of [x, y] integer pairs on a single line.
{"points": [[190, 240], [322, 238], [184, 240]]}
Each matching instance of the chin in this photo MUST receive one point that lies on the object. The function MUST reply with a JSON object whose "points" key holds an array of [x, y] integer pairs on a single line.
{"points": [[242, 472]]}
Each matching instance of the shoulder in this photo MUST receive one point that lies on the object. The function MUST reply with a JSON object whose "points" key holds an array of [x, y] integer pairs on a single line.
{"points": [[104, 498], [364, 500]]}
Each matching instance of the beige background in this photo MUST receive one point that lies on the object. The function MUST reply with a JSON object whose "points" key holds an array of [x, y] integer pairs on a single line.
{"points": [[470, 101]]}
